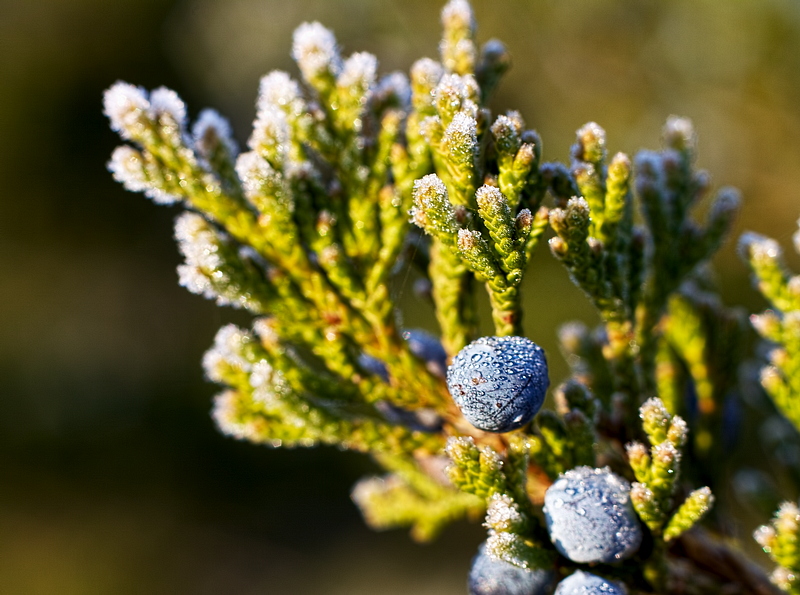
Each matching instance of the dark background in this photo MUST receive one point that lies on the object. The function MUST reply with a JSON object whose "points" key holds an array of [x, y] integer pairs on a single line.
{"points": [[113, 478]]}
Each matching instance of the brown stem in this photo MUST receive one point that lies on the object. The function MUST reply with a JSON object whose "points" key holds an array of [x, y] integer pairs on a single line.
{"points": [[737, 574]]}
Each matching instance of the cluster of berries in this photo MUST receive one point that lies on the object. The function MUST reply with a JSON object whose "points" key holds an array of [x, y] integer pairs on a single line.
{"points": [[499, 383]]}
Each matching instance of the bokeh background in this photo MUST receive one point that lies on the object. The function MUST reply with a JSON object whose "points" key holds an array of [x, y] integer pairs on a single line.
{"points": [[113, 479]]}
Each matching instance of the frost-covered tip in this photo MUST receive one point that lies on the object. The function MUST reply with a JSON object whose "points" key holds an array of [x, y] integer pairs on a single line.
{"points": [[575, 215], [211, 131], [271, 133], [754, 246], [641, 493], [585, 583], [432, 205], [368, 495], [590, 516], [459, 448], [197, 242], [506, 131], [359, 72], [502, 513], [766, 537], [524, 219], [591, 145], [127, 107], [678, 431], [166, 102], [491, 576], [226, 416], [783, 578], [425, 76], [490, 198], [457, 14], [679, 134], [278, 89], [787, 520], [665, 454], [228, 346], [655, 419], [315, 50], [455, 92], [461, 135], [430, 189], [469, 240], [637, 453], [254, 171], [766, 324], [128, 167]]}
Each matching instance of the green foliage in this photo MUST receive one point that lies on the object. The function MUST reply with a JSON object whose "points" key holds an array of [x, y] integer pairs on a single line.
{"points": [[657, 473], [781, 325], [780, 541]]}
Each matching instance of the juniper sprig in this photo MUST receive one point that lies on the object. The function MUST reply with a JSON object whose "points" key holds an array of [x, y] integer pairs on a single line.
{"points": [[350, 177]]}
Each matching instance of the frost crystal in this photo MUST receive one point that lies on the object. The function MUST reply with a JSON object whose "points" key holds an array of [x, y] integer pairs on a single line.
{"points": [[127, 108], [315, 50]]}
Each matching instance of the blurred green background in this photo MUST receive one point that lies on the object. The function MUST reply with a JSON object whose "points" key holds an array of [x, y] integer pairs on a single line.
{"points": [[112, 476]]}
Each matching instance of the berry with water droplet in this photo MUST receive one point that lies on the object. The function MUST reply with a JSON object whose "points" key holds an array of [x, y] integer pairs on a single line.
{"points": [[586, 583], [499, 383], [492, 576], [590, 516]]}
